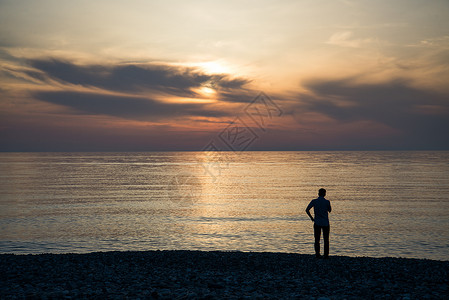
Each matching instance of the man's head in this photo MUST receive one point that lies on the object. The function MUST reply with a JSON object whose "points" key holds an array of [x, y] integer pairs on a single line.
{"points": [[321, 192]]}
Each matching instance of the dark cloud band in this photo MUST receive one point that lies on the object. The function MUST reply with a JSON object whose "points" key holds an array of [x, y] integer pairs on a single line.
{"points": [[396, 104], [135, 80], [127, 107], [135, 77]]}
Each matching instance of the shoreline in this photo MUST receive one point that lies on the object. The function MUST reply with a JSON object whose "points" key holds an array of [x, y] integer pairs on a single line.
{"points": [[183, 274]]}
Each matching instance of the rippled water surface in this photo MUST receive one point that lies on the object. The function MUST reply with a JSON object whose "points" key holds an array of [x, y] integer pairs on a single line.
{"points": [[384, 203]]}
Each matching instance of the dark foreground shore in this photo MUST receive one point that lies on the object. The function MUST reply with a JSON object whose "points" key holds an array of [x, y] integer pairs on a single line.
{"points": [[215, 275]]}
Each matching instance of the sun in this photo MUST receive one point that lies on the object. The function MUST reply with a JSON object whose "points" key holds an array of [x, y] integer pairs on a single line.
{"points": [[207, 91]]}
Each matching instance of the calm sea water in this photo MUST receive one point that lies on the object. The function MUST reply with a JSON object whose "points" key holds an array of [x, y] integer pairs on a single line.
{"points": [[384, 203]]}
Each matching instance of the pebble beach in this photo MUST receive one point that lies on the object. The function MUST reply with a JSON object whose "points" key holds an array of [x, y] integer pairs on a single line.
{"points": [[218, 275]]}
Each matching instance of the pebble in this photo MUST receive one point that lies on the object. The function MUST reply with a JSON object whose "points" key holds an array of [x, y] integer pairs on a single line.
{"points": [[216, 275]]}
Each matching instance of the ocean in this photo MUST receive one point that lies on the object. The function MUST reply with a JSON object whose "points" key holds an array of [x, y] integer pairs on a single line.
{"points": [[393, 204]]}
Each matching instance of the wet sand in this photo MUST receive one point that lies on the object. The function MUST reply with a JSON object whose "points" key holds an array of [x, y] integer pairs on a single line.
{"points": [[216, 275]]}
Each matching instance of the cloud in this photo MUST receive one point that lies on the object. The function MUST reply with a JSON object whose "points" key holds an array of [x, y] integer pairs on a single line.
{"points": [[133, 90], [421, 116], [127, 107], [345, 39], [441, 42], [135, 78]]}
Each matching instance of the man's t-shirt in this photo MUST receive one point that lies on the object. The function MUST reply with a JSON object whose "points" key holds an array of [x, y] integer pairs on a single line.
{"points": [[321, 207]]}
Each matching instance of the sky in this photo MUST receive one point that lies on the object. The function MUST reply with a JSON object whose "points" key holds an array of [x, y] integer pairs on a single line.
{"points": [[132, 75]]}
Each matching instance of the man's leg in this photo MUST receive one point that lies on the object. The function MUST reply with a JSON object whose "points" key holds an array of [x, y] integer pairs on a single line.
{"points": [[326, 230], [317, 234]]}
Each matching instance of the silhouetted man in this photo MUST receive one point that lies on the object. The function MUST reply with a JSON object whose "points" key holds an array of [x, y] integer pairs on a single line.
{"points": [[321, 207]]}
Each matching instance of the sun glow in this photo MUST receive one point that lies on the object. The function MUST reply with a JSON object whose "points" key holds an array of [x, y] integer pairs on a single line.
{"points": [[207, 91], [214, 67], [202, 100]]}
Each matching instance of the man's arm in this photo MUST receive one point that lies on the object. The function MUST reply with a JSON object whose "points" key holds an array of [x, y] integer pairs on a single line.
{"points": [[329, 208], [308, 212]]}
